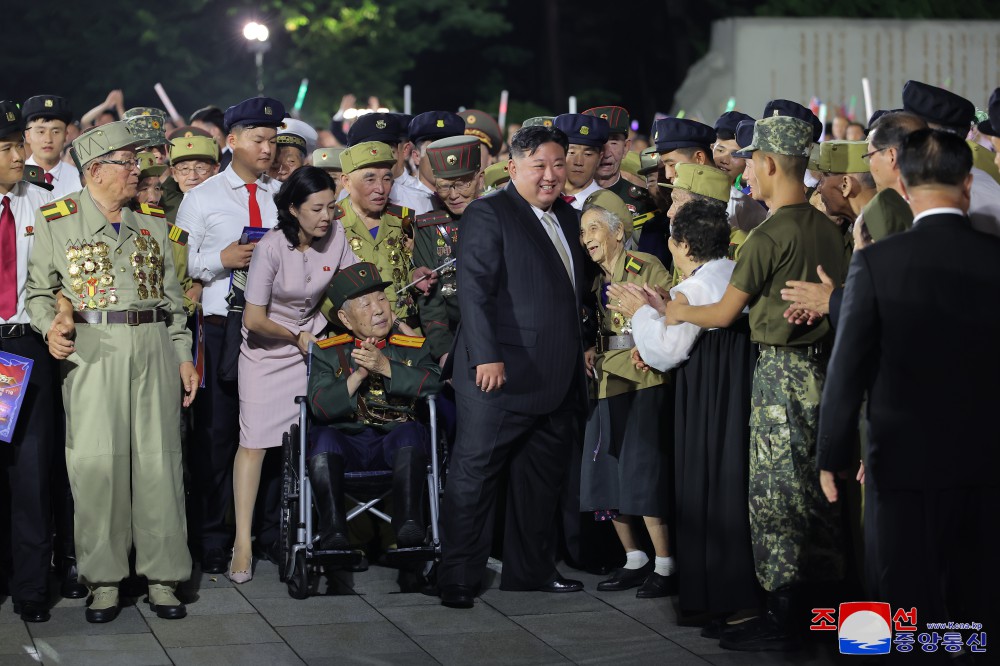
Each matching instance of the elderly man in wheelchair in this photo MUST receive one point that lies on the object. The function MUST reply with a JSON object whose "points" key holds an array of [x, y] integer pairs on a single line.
{"points": [[363, 387]]}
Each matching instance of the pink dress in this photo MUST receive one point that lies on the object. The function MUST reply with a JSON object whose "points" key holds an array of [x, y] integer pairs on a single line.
{"points": [[290, 284]]}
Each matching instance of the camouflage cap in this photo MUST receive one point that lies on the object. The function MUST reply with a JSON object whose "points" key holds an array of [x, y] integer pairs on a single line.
{"points": [[354, 281], [702, 179], [366, 154], [844, 157], [105, 139], [886, 214], [193, 148], [496, 175], [327, 158], [485, 128], [137, 111], [149, 127], [781, 135], [631, 163], [544, 121], [454, 156], [612, 203], [35, 175], [649, 161], [148, 166], [616, 116]]}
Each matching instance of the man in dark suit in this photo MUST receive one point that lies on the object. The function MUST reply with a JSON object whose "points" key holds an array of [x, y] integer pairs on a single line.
{"points": [[932, 458], [518, 372]]}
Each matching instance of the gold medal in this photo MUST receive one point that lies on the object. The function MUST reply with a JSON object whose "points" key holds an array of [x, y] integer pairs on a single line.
{"points": [[102, 300], [72, 253], [153, 261], [154, 247], [143, 292], [105, 265], [140, 244], [397, 274], [153, 292], [113, 298], [356, 244], [76, 284], [107, 280], [74, 270], [394, 258], [139, 275], [89, 266], [86, 250], [391, 240], [91, 304], [101, 249], [617, 321]]}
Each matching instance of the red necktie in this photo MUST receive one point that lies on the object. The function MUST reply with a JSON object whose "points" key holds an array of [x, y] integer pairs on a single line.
{"points": [[8, 261], [568, 199], [255, 220], [48, 179]]}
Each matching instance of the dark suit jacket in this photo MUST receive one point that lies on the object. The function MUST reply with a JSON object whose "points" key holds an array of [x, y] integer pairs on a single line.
{"points": [[518, 305], [836, 300], [919, 330]]}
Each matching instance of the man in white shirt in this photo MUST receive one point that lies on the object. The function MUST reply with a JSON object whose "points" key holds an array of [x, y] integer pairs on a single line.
{"points": [[587, 136], [46, 118], [425, 128], [215, 214]]}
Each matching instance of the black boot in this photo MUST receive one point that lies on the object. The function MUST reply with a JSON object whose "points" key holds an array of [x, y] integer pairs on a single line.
{"points": [[70, 586], [772, 631], [326, 476], [409, 474]]}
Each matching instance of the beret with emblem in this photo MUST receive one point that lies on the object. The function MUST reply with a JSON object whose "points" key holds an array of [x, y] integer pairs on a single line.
{"points": [[485, 128], [327, 158], [673, 133], [256, 111], [612, 203], [366, 154], [432, 125], [937, 105], [47, 106], [455, 156], [728, 122], [186, 131], [193, 148], [10, 118], [991, 126], [844, 156], [786, 107], [781, 135], [148, 166], [543, 121], [617, 117], [702, 179], [384, 127], [294, 132], [35, 175], [354, 281], [649, 161], [583, 130], [104, 139], [496, 175]]}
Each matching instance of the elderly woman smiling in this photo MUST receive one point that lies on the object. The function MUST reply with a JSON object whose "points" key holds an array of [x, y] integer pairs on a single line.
{"points": [[626, 463]]}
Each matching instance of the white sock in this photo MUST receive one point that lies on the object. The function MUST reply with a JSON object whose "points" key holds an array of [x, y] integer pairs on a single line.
{"points": [[664, 566], [635, 559]]}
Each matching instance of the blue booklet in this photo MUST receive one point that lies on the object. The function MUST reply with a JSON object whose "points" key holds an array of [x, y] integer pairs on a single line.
{"points": [[14, 373]]}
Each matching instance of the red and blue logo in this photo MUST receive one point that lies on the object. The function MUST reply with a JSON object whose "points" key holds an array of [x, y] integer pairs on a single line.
{"points": [[865, 627]]}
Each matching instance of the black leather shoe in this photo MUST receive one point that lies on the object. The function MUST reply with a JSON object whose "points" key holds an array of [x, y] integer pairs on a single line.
{"points": [[458, 596], [266, 551], [769, 634], [625, 579], [560, 584], [657, 586], [71, 587], [214, 561], [32, 611]]}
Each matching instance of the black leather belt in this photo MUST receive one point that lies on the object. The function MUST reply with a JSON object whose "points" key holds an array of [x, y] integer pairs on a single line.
{"points": [[128, 317], [13, 330], [215, 320], [607, 343], [817, 350]]}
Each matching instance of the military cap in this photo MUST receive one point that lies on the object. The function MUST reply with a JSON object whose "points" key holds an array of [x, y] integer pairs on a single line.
{"points": [[781, 135], [612, 203], [886, 214], [104, 139], [47, 106], [583, 130], [649, 161], [496, 175], [729, 121], [293, 132], [543, 121], [631, 163], [991, 126], [136, 111], [617, 117], [673, 133], [210, 114], [10, 118], [844, 156], [818, 160], [744, 133], [701, 179], [148, 166], [485, 128], [327, 158], [937, 105], [35, 175], [455, 156], [366, 154], [193, 148], [384, 127], [149, 127], [186, 131], [879, 113], [256, 111], [786, 107], [432, 125], [354, 281]]}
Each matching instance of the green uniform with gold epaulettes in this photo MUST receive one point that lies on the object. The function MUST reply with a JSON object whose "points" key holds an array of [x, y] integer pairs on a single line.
{"points": [[120, 384], [178, 247], [435, 242]]}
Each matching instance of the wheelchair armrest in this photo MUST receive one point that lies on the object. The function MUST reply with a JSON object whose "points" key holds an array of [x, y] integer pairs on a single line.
{"points": [[299, 399]]}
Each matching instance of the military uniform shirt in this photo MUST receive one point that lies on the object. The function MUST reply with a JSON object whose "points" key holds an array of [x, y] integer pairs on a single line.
{"points": [[787, 246], [435, 241], [637, 200], [65, 178], [25, 200]]}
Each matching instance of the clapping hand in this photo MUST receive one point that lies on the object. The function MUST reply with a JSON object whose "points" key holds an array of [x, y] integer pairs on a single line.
{"points": [[625, 299], [371, 358]]}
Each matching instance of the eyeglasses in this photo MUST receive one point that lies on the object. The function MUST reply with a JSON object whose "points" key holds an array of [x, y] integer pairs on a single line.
{"points": [[200, 169], [867, 156], [128, 164], [463, 187]]}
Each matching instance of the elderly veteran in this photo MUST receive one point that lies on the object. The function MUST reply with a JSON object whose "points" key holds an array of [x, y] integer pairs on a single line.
{"points": [[626, 464], [328, 159], [699, 182], [123, 449]]}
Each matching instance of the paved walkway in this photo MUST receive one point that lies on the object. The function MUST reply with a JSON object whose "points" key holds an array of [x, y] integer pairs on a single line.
{"points": [[258, 623]]}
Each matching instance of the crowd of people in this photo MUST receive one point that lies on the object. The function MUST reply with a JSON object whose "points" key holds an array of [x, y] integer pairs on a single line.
{"points": [[666, 362]]}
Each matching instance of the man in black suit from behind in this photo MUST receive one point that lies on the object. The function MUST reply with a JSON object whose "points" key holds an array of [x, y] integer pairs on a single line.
{"points": [[518, 372], [919, 333]]}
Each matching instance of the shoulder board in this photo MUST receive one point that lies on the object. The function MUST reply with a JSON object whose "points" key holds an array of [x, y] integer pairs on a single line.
{"points": [[633, 264], [432, 218], [406, 341], [402, 212], [176, 234], [639, 220], [338, 211], [57, 209], [333, 342], [155, 211]]}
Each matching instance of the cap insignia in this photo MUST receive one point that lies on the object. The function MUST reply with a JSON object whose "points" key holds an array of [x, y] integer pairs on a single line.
{"points": [[380, 124], [584, 130], [604, 115], [373, 151], [362, 273], [11, 117], [48, 103], [451, 160], [470, 119], [268, 111], [440, 123]]}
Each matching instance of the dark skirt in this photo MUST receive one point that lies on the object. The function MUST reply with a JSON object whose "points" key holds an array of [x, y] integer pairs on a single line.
{"points": [[714, 554], [627, 454]]}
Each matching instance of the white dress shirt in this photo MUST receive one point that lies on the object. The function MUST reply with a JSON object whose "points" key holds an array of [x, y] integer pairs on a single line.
{"points": [[937, 211], [984, 203], [65, 178], [664, 347], [214, 214], [582, 195], [538, 213], [408, 191], [25, 200]]}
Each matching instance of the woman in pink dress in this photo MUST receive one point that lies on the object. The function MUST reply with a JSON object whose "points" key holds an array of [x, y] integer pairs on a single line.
{"points": [[291, 268]]}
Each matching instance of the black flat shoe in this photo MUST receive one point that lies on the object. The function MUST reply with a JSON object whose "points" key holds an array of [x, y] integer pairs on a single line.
{"points": [[560, 584], [32, 611], [458, 596], [214, 561], [70, 586], [657, 586], [625, 579], [766, 635]]}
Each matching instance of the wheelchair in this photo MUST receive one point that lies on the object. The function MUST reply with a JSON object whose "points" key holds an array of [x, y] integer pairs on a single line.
{"points": [[300, 559]]}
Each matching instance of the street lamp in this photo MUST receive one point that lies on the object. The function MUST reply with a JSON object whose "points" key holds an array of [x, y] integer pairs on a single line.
{"points": [[256, 35]]}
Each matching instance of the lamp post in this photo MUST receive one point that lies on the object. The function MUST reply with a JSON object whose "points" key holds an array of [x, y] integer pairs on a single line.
{"points": [[256, 35]]}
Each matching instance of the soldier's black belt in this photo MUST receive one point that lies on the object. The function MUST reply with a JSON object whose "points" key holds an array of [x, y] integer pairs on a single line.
{"points": [[820, 349], [614, 342], [128, 317], [13, 330]]}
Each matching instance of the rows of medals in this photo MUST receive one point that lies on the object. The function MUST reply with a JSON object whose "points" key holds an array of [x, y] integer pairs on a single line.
{"points": [[444, 251], [399, 258], [92, 277]]}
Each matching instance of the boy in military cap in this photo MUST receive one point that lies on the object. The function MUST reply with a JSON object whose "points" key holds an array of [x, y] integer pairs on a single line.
{"points": [[328, 159], [587, 136], [112, 264], [744, 213], [795, 531], [364, 385], [46, 118], [485, 128], [680, 140], [296, 141]]}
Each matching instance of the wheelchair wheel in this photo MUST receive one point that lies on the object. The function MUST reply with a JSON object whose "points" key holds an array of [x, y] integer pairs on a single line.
{"points": [[287, 535], [298, 577]]}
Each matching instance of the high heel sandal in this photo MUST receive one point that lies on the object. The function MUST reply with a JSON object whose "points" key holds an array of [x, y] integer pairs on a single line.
{"points": [[239, 577]]}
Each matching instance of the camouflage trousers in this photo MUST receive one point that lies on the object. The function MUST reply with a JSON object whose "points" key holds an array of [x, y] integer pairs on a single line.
{"points": [[796, 533]]}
